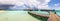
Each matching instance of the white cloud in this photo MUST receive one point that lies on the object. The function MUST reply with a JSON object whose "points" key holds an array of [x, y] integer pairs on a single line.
{"points": [[43, 7], [44, 4], [56, 6], [19, 3], [16, 2], [7, 1], [40, 4]]}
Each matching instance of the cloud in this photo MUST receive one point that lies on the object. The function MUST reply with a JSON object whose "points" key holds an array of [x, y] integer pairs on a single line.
{"points": [[56, 6], [43, 7], [42, 4], [7, 1], [37, 3]]}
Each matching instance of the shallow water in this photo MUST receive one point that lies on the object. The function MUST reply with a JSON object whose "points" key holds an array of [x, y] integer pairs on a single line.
{"points": [[20, 16], [44, 12], [16, 16]]}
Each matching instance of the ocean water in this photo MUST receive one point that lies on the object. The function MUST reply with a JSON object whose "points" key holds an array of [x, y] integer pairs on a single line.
{"points": [[58, 12], [44, 12], [16, 16], [20, 15]]}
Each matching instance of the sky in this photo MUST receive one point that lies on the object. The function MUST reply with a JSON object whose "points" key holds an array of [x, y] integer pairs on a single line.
{"points": [[55, 4], [40, 4]]}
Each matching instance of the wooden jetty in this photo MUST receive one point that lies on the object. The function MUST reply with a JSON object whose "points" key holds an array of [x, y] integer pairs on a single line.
{"points": [[51, 17]]}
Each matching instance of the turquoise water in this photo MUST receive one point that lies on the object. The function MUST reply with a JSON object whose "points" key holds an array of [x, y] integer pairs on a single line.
{"points": [[20, 16], [16, 16], [41, 12], [44, 12], [58, 12]]}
